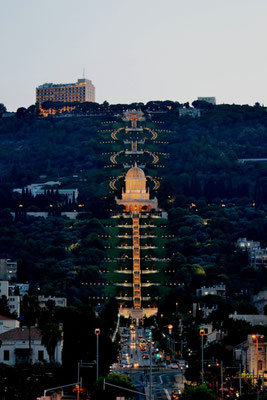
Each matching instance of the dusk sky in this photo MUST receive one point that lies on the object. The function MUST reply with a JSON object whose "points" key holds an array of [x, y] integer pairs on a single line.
{"points": [[135, 50]]}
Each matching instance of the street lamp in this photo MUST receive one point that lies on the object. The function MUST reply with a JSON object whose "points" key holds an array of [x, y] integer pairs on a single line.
{"points": [[202, 333], [170, 327], [256, 338], [97, 333]]}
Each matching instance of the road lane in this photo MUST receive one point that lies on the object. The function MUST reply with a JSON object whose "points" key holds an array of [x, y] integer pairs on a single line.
{"points": [[164, 380]]}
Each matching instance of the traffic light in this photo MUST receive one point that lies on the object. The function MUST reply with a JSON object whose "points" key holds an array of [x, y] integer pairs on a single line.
{"points": [[158, 356], [150, 334]]}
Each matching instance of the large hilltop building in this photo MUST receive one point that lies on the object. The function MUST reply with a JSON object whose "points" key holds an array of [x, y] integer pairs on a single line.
{"points": [[81, 91]]}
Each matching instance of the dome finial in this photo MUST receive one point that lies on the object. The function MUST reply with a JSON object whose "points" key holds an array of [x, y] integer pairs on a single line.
{"points": [[135, 164]]}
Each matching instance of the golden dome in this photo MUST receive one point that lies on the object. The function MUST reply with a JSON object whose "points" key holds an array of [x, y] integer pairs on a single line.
{"points": [[135, 172]]}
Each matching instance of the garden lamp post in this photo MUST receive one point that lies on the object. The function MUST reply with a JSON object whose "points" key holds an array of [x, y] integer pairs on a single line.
{"points": [[202, 333], [97, 333]]}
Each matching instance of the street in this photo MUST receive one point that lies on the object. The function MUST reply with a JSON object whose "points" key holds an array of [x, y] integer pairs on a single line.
{"points": [[134, 361]]}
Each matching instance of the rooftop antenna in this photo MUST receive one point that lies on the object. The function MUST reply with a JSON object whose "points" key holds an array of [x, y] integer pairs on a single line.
{"points": [[84, 73]]}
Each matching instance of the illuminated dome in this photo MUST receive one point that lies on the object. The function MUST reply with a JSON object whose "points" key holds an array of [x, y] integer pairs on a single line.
{"points": [[136, 194], [135, 172]]}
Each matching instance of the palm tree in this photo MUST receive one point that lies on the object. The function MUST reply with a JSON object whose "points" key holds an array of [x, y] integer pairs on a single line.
{"points": [[51, 335], [30, 311]]}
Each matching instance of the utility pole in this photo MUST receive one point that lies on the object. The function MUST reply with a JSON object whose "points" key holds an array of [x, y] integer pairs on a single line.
{"points": [[78, 380], [222, 379], [82, 364], [150, 370], [240, 381]]}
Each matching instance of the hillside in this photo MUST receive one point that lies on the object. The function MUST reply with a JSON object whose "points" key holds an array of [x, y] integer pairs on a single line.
{"points": [[212, 198]]}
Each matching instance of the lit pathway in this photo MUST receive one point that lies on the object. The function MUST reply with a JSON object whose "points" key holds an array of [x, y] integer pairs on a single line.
{"points": [[114, 133], [155, 157], [113, 157], [153, 133], [136, 263]]}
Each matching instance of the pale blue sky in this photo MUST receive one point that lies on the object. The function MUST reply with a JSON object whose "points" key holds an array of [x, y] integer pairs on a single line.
{"points": [[137, 50]]}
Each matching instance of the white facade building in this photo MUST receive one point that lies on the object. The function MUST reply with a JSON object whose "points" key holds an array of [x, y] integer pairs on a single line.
{"points": [[15, 347], [252, 319], [246, 355], [6, 324], [216, 290], [59, 301], [257, 256], [14, 304], [13, 301], [4, 288]]}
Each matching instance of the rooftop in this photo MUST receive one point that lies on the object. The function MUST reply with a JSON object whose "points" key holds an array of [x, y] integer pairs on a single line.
{"points": [[50, 84], [21, 334], [4, 318]]}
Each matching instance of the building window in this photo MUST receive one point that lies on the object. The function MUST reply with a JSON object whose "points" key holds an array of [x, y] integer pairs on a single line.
{"points": [[40, 355], [6, 355]]}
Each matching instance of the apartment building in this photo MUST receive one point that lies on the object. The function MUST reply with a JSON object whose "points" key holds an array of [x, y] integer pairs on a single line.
{"points": [[8, 269], [216, 290], [252, 355], [81, 91], [58, 301], [243, 244], [13, 300], [256, 255]]}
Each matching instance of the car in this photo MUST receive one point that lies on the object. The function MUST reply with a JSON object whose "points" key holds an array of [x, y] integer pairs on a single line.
{"points": [[173, 366], [114, 366], [135, 364], [145, 356], [176, 393], [123, 363]]}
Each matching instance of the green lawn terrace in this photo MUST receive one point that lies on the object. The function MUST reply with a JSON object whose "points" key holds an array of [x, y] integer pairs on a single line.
{"points": [[118, 260]]}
